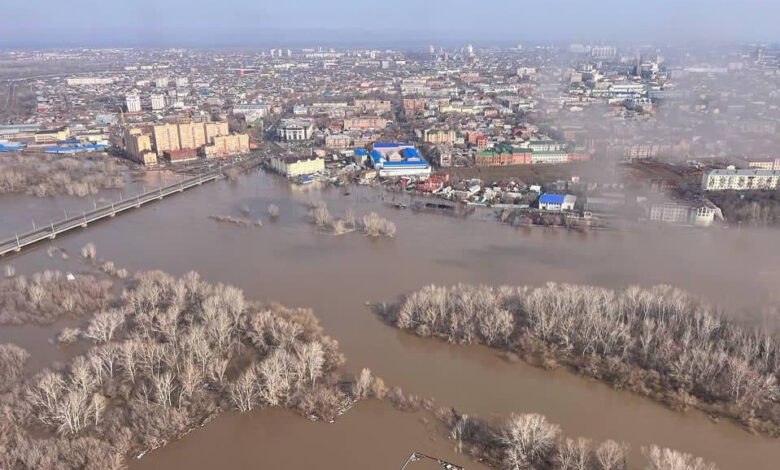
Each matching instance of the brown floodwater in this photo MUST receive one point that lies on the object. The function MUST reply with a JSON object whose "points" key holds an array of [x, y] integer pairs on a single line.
{"points": [[291, 262], [373, 435]]}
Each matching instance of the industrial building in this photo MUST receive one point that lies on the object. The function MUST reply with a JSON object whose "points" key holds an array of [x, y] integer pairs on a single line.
{"points": [[398, 159]]}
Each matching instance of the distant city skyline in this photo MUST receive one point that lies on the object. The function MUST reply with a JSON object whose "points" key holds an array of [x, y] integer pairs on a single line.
{"points": [[51, 23]]}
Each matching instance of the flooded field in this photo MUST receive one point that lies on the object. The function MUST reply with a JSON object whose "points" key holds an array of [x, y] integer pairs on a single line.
{"points": [[289, 261]]}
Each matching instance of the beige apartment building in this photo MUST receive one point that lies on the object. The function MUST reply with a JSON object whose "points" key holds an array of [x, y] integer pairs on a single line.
{"points": [[224, 145], [439, 136], [365, 122], [138, 146], [192, 135], [166, 137]]}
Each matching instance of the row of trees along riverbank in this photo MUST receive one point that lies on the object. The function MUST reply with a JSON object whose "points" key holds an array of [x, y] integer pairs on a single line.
{"points": [[660, 342]]}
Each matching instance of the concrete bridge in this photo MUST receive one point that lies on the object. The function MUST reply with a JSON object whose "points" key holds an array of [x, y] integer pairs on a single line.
{"points": [[21, 240]]}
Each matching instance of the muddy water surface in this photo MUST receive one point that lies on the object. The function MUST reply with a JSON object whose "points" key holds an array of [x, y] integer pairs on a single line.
{"points": [[291, 262]]}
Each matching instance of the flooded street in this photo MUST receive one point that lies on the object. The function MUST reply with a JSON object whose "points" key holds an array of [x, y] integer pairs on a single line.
{"points": [[290, 262]]}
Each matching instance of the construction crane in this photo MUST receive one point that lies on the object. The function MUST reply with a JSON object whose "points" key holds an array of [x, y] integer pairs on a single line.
{"points": [[416, 456]]}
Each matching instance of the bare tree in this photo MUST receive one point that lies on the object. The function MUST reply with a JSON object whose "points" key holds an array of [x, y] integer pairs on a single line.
{"points": [[362, 386], [243, 392], [527, 439], [611, 455], [573, 454], [89, 252], [163, 388], [103, 326], [312, 356], [12, 360], [668, 459], [321, 215]]}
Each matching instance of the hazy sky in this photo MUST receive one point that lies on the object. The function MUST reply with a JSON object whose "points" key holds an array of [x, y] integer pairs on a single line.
{"points": [[392, 22]]}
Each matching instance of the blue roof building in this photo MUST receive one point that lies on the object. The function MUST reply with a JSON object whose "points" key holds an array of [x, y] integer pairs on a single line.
{"points": [[398, 159], [557, 202], [10, 147]]}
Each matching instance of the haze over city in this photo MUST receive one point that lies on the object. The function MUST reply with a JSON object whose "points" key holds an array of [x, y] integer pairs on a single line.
{"points": [[405, 235], [246, 23]]}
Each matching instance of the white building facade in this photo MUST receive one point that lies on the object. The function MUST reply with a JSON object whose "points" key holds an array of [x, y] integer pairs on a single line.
{"points": [[740, 180]]}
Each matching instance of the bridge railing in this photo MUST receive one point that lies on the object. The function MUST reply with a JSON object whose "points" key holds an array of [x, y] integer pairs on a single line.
{"points": [[20, 240]]}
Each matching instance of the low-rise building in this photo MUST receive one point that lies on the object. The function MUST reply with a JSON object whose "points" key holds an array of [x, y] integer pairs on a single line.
{"points": [[557, 202], [51, 136], [699, 213], [740, 180], [338, 141], [550, 157], [295, 129], [765, 164], [180, 155], [252, 112], [225, 145], [503, 155], [294, 166], [365, 122], [439, 136]]}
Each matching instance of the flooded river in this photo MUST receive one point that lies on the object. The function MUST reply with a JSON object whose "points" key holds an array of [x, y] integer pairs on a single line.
{"points": [[289, 261]]}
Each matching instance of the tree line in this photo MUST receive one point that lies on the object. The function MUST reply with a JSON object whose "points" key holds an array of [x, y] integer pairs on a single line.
{"points": [[530, 441], [167, 356], [45, 175], [49, 295], [660, 341]]}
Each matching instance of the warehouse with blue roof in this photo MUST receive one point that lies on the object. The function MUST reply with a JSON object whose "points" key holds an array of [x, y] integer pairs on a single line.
{"points": [[395, 159], [557, 202], [76, 148]]}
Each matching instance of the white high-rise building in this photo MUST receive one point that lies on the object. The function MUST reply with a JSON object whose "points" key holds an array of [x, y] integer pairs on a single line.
{"points": [[158, 102], [161, 82], [182, 82], [470, 50], [133, 103]]}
